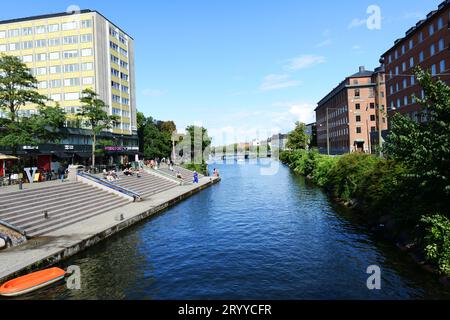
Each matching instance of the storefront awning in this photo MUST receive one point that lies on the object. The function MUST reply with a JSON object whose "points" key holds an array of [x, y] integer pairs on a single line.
{"points": [[62, 155], [85, 155]]}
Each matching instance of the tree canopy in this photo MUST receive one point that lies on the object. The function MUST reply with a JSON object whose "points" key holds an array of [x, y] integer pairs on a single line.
{"points": [[94, 115], [18, 88], [298, 138], [155, 137], [425, 146]]}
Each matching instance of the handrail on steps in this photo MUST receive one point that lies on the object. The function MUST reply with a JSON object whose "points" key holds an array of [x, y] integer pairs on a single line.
{"points": [[136, 196]]}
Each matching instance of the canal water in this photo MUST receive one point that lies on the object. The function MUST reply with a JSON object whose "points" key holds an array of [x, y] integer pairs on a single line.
{"points": [[252, 236]]}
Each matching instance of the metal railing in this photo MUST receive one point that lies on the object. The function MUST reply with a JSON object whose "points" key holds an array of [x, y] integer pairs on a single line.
{"points": [[136, 196]]}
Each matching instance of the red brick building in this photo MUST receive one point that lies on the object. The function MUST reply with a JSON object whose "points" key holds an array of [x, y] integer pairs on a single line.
{"points": [[350, 112], [425, 45]]}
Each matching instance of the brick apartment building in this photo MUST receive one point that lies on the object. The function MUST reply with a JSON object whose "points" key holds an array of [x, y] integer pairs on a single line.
{"points": [[425, 45], [350, 112]]}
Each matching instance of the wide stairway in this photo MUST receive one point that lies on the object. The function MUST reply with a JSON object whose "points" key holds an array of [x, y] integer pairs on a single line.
{"points": [[187, 175], [65, 204], [146, 185]]}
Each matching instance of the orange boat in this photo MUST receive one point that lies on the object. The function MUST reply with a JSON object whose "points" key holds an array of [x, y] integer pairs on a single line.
{"points": [[31, 282]]}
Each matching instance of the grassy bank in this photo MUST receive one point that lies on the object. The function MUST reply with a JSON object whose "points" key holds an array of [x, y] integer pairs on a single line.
{"points": [[387, 193]]}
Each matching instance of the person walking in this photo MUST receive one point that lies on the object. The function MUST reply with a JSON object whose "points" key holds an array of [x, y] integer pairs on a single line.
{"points": [[62, 173], [195, 177]]}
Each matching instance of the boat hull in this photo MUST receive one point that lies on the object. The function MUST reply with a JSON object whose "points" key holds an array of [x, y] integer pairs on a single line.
{"points": [[31, 282]]}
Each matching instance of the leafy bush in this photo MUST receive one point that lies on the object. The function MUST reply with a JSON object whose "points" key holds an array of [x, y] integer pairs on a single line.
{"points": [[387, 188], [322, 169], [436, 241], [348, 173]]}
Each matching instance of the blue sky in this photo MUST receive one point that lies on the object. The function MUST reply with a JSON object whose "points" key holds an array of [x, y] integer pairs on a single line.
{"points": [[243, 68]]}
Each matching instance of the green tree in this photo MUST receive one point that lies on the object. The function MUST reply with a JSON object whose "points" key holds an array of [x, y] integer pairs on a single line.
{"points": [[155, 137], [425, 147], [298, 139], [17, 89], [94, 114]]}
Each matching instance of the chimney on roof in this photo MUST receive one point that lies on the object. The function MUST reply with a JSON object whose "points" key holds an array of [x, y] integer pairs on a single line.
{"points": [[362, 69]]}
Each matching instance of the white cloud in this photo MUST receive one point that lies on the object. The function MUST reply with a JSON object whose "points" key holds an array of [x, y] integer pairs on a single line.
{"points": [[153, 92], [357, 23], [278, 81], [324, 43], [304, 62]]}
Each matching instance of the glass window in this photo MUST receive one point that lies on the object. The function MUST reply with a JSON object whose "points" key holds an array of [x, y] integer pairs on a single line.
{"points": [[55, 83], [56, 97], [71, 68], [27, 31], [53, 28], [28, 58], [27, 45], [71, 82], [54, 42], [88, 80], [441, 44], [41, 57], [53, 55], [41, 43], [40, 29], [71, 96], [440, 23], [13, 33], [86, 52], [86, 24], [442, 68], [433, 69], [431, 29], [87, 66], [69, 25], [86, 38], [70, 54], [2, 34], [70, 40], [41, 71], [55, 69]]}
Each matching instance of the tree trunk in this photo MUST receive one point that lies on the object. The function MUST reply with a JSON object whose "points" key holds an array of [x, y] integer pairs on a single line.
{"points": [[94, 141]]}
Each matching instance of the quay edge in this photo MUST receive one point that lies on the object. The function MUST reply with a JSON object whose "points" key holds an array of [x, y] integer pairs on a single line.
{"points": [[60, 247]]}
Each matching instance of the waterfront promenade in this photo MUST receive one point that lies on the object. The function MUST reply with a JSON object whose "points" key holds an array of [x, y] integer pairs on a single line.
{"points": [[60, 244]]}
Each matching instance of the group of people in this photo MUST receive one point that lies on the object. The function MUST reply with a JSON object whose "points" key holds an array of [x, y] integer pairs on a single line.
{"points": [[130, 172], [110, 175]]}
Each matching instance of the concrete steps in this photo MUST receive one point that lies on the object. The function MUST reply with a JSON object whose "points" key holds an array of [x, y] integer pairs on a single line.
{"points": [[187, 175], [147, 185], [66, 204]]}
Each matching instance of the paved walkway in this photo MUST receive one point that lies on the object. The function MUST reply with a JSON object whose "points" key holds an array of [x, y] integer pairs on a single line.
{"points": [[27, 186], [68, 241]]}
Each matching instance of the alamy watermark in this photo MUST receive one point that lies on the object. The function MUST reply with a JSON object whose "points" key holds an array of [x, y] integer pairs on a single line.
{"points": [[374, 280]]}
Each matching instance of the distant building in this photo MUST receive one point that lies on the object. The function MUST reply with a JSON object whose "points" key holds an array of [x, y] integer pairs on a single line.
{"points": [[426, 45], [311, 131], [278, 142], [350, 112]]}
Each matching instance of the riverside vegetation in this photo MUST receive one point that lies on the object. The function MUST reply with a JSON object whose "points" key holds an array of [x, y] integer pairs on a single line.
{"points": [[406, 192]]}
